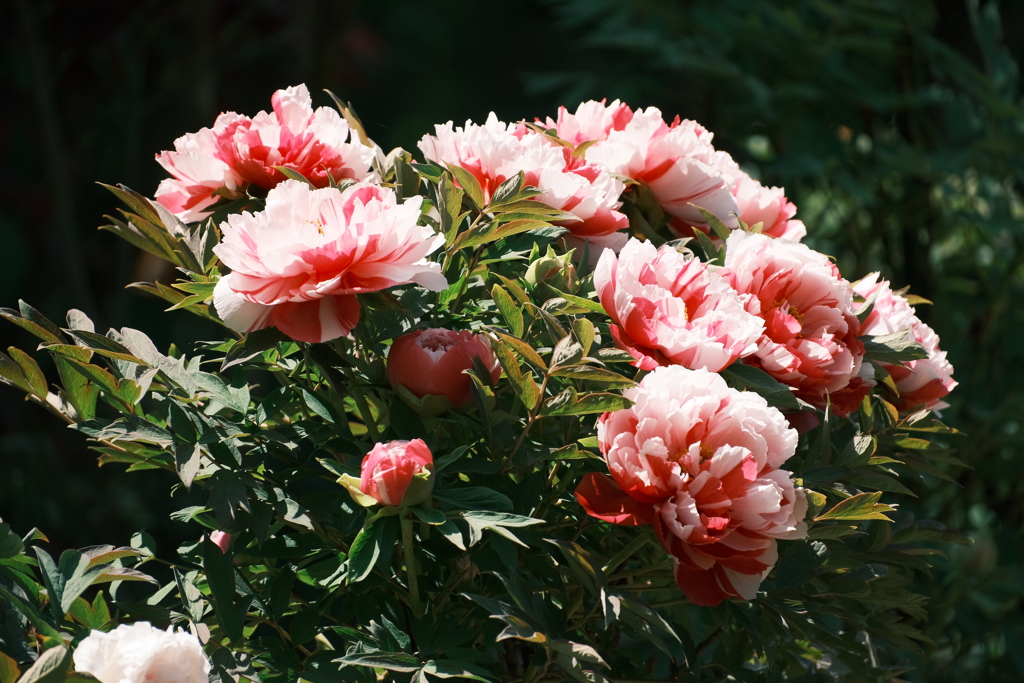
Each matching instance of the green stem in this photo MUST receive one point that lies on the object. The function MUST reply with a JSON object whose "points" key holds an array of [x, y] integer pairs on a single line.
{"points": [[627, 552], [361, 404], [411, 573]]}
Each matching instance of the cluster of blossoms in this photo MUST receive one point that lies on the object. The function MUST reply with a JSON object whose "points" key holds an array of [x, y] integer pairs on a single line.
{"points": [[699, 461]]}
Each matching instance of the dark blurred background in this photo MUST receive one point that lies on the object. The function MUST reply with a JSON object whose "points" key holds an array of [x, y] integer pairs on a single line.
{"points": [[897, 126]]}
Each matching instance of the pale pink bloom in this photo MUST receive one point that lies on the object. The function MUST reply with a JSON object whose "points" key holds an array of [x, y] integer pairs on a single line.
{"points": [[676, 161], [298, 264], [920, 382], [699, 461], [670, 309], [198, 173], [593, 121], [239, 151], [810, 339], [398, 473], [142, 653], [768, 206], [497, 151]]}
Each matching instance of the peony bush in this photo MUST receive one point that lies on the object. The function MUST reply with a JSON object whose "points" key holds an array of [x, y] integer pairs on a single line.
{"points": [[560, 400]]}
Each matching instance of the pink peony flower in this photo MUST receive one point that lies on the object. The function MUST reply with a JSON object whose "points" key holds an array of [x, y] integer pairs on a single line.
{"points": [[593, 121], [681, 166], [810, 339], [298, 264], [239, 151], [700, 461], [431, 362], [768, 206], [670, 309], [920, 382], [677, 161], [497, 151], [398, 473]]}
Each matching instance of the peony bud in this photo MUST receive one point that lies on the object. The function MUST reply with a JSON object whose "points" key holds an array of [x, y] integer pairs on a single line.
{"points": [[555, 270], [222, 540], [426, 368], [142, 653], [397, 473]]}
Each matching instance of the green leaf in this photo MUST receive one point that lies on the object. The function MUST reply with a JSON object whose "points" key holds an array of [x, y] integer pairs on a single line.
{"points": [[721, 229], [858, 507], [742, 376], [392, 661], [9, 670], [509, 311], [104, 346], [316, 405], [234, 396], [252, 345], [31, 370], [893, 348], [428, 514], [292, 174], [568, 403], [191, 598], [469, 184], [220, 574], [475, 498], [10, 544], [51, 667], [457, 669], [363, 553], [594, 374], [523, 349], [497, 522]]}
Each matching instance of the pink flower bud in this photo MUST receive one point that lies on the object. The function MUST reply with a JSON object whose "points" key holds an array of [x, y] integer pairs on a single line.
{"points": [[222, 540], [431, 363], [398, 473]]}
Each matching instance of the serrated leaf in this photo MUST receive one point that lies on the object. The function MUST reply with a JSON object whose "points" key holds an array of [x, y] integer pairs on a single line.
{"points": [[509, 311]]}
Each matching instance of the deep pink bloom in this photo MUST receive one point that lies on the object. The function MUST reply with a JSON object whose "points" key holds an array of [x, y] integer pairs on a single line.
{"points": [[239, 151], [431, 362], [810, 339], [298, 264], [670, 309], [398, 473], [920, 382], [700, 461], [497, 151]]}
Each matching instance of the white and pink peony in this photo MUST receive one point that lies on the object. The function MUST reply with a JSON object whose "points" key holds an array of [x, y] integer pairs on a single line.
{"points": [[669, 309], [239, 151], [142, 653], [497, 151], [298, 264], [700, 461], [679, 164], [921, 382], [810, 338]]}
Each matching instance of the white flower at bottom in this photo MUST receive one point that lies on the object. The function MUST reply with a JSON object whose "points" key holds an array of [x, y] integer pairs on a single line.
{"points": [[142, 653]]}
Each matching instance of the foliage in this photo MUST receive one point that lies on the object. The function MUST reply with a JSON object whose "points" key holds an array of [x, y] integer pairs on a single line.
{"points": [[502, 576]]}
